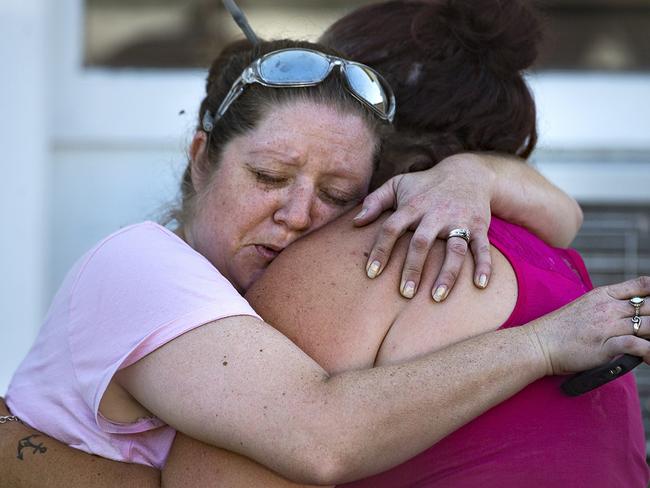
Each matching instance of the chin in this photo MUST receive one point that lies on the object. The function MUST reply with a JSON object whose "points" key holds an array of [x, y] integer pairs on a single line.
{"points": [[250, 280]]}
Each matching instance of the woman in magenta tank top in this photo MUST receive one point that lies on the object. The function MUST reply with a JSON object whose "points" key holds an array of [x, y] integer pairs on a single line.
{"points": [[539, 437]]}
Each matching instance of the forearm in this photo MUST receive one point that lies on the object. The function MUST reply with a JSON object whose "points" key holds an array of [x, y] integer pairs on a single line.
{"points": [[359, 423], [194, 463], [469, 378], [523, 196], [444, 390], [56, 465], [269, 401]]}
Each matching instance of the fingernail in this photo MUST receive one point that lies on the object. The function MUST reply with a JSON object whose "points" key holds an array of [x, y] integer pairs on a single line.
{"points": [[440, 294], [482, 281], [360, 215], [373, 269], [408, 289]]}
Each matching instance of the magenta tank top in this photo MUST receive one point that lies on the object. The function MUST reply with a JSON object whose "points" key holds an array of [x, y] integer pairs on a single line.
{"points": [[539, 437]]}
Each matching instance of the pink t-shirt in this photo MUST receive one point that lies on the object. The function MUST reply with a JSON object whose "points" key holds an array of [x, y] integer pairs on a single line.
{"points": [[135, 291]]}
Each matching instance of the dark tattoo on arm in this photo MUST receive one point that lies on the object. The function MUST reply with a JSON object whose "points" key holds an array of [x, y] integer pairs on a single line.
{"points": [[27, 443]]}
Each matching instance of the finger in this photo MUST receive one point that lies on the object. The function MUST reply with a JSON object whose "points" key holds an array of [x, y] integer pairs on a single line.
{"points": [[391, 229], [625, 327], [416, 256], [636, 346], [638, 287], [644, 327], [480, 246], [383, 198], [454, 257], [626, 309]]}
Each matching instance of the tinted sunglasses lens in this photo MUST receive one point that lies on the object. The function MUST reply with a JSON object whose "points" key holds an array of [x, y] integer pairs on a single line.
{"points": [[365, 84], [294, 67]]}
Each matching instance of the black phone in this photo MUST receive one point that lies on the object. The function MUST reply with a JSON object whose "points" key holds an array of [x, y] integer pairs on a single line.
{"points": [[601, 375]]}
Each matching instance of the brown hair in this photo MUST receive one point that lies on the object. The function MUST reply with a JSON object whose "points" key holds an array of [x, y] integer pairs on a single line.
{"points": [[456, 67], [255, 101]]}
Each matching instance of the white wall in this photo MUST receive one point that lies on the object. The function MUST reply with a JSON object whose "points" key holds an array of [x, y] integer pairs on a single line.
{"points": [[96, 191], [595, 135], [88, 151], [24, 188], [594, 111]]}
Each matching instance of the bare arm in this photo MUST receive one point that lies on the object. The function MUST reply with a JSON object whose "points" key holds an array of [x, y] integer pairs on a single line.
{"points": [[56, 465], [193, 463], [272, 403], [239, 384], [525, 197]]}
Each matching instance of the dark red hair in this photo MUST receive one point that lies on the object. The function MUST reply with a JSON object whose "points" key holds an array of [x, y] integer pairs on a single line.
{"points": [[457, 70]]}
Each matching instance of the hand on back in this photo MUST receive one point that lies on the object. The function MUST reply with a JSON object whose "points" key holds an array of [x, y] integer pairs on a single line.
{"points": [[595, 328]]}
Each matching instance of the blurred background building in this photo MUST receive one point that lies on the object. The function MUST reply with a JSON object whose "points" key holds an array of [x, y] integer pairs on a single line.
{"points": [[98, 100]]}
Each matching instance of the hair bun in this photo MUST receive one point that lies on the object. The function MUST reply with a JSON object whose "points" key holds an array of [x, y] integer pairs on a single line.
{"points": [[502, 35]]}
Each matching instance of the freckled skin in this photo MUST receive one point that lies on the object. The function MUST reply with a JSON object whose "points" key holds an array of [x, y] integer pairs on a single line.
{"points": [[302, 166]]}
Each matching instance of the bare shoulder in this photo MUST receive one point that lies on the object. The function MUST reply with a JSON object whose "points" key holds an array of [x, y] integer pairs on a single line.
{"points": [[316, 292]]}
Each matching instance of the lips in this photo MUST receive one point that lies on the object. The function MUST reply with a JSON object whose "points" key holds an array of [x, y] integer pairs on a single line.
{"points": [[268, 252]]}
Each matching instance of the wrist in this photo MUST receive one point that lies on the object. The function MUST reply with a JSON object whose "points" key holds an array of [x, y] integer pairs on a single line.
{"points": [[490, 177], [480, 167], [540, 352]]}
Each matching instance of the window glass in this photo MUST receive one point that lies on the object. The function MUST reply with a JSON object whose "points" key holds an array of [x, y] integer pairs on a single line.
{"points": [[609, 35], [596, 35], [172, 34]]}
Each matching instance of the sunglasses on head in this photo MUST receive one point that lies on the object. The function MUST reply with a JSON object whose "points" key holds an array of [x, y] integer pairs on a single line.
{"points": [[300, 67]]}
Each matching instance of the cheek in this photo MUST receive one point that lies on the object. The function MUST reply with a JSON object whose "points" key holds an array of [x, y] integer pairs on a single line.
{"points": [[254, 207], [233, 204], [326, 213]]}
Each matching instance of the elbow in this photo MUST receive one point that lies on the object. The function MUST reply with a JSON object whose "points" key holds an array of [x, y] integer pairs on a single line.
{"points": [[328, 457], [564, 230], [573, 225], [328, 449], [579, 217], [327, 469]]}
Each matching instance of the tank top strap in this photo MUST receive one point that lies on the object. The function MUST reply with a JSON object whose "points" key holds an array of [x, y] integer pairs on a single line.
{"points": [[579, 266]]}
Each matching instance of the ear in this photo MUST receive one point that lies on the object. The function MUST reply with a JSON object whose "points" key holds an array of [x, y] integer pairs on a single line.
{"points": [[199, 160]]}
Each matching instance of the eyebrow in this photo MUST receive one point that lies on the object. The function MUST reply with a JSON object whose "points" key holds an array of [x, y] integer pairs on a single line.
{"points": [[284, 157], [344, 172]]}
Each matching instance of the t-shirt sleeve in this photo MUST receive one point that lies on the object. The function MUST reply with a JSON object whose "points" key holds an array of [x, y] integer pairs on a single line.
{"points": [[136, 291]]}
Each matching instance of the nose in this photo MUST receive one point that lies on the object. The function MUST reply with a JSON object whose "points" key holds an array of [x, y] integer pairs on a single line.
{"points": [[295, 210]]}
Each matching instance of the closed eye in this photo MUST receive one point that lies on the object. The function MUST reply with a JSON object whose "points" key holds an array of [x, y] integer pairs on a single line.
{"points": [[268, 178], [336, 199]]}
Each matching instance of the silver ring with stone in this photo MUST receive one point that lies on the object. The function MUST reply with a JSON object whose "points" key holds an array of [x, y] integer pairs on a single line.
{"points": [[461, 232], [636, 302]]}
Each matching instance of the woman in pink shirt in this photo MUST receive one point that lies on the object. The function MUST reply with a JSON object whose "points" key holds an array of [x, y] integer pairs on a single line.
{"points": [[234, 382]]}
